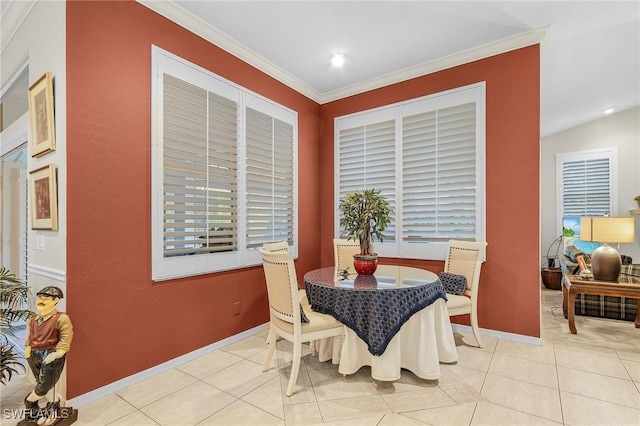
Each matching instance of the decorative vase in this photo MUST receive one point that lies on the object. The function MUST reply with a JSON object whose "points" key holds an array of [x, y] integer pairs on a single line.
{"points": [[365, 265]]}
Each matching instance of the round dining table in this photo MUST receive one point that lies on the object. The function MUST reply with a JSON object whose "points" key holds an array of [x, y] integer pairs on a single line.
{"points": [[396, 318]]}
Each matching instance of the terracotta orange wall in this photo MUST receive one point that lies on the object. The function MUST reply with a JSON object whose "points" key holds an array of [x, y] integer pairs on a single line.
{"points": [[509, 296], [124, 323]]}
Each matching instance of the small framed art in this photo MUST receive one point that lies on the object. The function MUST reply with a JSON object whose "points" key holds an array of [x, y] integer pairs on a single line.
{"points": [[43, 135], [43, 198]]}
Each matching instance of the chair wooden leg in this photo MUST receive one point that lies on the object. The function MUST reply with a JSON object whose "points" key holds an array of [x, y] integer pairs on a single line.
{"points": [[295, 366], [476, 334], [271, 341], [474, 327]]}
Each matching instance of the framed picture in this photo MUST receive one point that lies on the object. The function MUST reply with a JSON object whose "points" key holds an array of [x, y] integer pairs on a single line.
{"points": [[43, 135], [43, 198]]}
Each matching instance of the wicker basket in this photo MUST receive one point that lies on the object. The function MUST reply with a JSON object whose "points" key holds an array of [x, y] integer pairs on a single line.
{"points": [[552, 278]]}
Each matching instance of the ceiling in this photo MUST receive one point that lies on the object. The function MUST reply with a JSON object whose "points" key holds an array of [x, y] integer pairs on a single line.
{"points": [[589, 49]]}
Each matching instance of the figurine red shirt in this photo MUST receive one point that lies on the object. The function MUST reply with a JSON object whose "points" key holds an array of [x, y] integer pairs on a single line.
{"points": [[51, 332]]}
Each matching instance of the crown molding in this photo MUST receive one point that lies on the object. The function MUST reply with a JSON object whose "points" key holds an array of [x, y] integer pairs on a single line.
{"points": [[13, 15], [196, 25], [180, 16], [17, 11], [466, 56]]}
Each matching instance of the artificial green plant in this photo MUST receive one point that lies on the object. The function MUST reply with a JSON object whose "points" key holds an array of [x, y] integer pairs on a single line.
{"points": [[364, 216], [13, 301]]}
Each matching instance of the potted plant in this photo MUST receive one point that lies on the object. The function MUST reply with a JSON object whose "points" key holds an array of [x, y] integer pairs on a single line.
{"points": [[637, 198], [364, 215], [13, 300]]}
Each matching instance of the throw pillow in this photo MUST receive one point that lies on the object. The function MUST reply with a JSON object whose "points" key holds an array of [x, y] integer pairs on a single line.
{"points": [[453, 283]]}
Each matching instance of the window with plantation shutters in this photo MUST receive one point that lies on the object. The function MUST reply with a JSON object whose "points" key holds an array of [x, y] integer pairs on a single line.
{"points": [[223, 167], [587, 182], [426, 156]]}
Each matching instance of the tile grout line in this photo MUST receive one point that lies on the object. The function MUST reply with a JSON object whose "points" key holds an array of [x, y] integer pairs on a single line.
{"points": [[555, 357]]}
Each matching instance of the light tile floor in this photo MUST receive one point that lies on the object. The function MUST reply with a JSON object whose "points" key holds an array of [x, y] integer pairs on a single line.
{"points": [[592, 378]]}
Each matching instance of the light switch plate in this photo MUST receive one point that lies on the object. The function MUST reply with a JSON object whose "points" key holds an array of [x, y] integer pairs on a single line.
{"points": [[39, 242]]}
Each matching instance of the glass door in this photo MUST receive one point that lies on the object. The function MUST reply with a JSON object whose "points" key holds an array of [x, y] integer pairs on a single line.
{"points": [[13, 211], [13, 225]]}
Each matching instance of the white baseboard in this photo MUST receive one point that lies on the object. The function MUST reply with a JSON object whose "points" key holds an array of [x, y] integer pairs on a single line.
{"points": [[114, 387], [503, 335]]}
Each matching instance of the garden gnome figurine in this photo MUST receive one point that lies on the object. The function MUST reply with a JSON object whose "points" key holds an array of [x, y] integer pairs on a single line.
{"points": [[49, 335]]}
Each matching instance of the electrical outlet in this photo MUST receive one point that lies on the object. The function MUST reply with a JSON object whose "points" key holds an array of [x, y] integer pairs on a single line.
{"points": [[236, 308]]}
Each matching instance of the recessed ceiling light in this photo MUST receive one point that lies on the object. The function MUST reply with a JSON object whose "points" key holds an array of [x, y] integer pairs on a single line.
{"points": [[337, 59], [608, 111]]}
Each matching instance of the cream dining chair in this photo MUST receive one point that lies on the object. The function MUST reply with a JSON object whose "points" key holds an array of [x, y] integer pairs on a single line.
{"points": [[284, 311], [465, 258], [343, 251], [283, 247]]}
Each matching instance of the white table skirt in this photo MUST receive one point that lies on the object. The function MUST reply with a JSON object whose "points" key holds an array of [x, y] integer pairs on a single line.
{"points": [[424, 341]]}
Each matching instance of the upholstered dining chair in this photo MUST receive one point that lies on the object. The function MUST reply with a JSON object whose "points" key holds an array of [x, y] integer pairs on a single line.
{"points": [[343, 251], [283, 247], [465, 258], [285, 312]]}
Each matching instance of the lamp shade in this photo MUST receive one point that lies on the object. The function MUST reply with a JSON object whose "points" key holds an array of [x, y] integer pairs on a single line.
{"points": [[605, 261], [607, 229]]}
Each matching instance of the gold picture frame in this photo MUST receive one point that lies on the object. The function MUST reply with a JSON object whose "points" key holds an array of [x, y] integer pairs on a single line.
{"points": [[43, 198], [43, 135]]}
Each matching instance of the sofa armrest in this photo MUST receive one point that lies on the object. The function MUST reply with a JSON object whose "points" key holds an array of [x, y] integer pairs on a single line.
{"points": [[631, 269]]}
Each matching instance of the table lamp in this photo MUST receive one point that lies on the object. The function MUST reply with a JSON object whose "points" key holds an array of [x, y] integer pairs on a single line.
{"points": [[605, 260]]}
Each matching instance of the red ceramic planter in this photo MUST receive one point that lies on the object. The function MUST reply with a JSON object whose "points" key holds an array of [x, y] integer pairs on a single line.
{"points": [[365, 265]]}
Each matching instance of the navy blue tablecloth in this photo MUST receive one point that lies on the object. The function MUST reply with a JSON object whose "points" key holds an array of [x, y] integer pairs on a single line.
{"points": [[374, 314]]}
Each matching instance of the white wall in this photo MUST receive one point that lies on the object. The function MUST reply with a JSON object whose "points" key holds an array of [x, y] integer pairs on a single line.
{"points": [[34, 33], [620, 130]]}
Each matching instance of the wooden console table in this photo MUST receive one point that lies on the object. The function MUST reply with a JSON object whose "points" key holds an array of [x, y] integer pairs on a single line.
{"points": [[627, 286]]}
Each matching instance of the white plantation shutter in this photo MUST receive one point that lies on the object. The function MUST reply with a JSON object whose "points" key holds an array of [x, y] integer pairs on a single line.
{"points": [[223, 174], [439, 175], [199, 173], [585, 187], [367, 159], [351, 155], [588, 183], [427, 157], [270, 164]]}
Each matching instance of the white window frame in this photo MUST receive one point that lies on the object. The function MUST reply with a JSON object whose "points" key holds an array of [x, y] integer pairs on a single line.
{"points": [[605, 153], [166, 268], [470, 93]]}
